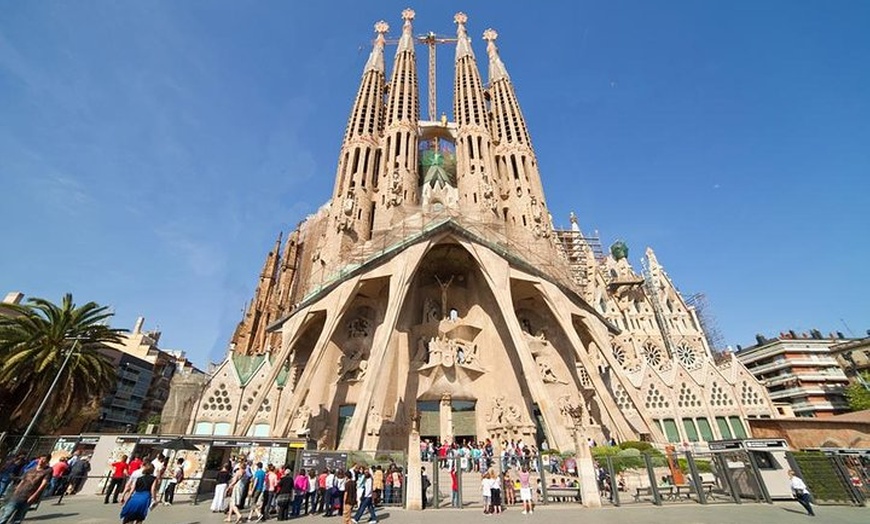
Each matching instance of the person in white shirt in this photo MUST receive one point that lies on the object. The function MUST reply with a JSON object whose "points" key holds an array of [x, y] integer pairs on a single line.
{"points": [[365, 498], [801, 492]]}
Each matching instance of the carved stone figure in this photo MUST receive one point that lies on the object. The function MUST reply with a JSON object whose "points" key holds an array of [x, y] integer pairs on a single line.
{"points": [[300, 421], [345, 220], [547, 373], [431, 313], [359, 327], [396, 195], [422, 354], [353, 367]]}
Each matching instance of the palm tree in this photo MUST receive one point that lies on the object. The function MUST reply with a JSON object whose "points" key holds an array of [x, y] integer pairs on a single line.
{"points": [[34, 339]]}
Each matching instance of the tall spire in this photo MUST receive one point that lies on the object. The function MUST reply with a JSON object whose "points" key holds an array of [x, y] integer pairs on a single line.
{"points": [[398, 171], [497, 70], [475, 162], [359, 157], [376, 57], [514, 156]]}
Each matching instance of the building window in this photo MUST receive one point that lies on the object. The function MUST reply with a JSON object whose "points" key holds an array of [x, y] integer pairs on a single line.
{"points": [[222, 428], [261, 430], [203, 428], [671, 430], [705, 429], [737, 427], [691, 431], [722, 423], [345, 413]]}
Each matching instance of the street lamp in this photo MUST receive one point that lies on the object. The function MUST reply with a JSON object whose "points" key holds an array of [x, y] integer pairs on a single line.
{"points": [[47, 395]]}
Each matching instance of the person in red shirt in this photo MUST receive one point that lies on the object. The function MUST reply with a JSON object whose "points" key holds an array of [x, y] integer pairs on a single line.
{"points": [[119, 476], [57, 472], [134, 464]]}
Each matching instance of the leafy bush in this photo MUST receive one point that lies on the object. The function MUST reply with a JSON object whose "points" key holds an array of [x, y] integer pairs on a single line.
{"points": [[643, 447]]}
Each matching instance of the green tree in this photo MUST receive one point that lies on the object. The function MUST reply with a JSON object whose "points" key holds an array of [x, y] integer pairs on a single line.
{"points": [[858, 395], [34, 340]]}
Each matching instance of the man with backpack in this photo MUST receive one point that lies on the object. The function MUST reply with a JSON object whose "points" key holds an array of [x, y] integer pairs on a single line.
{"points": [[174, 481]]}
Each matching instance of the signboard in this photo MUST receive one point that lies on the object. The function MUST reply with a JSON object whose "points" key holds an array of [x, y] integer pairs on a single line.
{"points": [[320, 460], [764, 444]]}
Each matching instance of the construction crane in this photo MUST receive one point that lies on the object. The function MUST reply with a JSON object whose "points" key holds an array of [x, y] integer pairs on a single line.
{"points": [[430, 39]]}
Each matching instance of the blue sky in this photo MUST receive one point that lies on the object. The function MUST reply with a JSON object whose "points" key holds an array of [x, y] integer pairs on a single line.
{"points": [[150, 152]]}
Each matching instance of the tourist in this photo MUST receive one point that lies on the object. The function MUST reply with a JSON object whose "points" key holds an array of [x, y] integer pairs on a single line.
{"points": [[454, 488], [377, 485], [234, 493], [258, 483], [321, 491], [218, 502], [78, 473], [311, 495], [300, 491], [10, 470], [509, 495], [350, 497], [142, 492], [270, 487], [398, 480], [486, 491], [284, 492], [330, 493], [27, 492], [116, 483], [245, 481], [59, 471], [801, 492], [526, 491], [134, 465], [495, 493], [424, 485], [365, 497], [388, 486], [176, 478]]}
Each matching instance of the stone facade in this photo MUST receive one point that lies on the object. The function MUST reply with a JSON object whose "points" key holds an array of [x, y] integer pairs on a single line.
{"points": [[432, 297]]}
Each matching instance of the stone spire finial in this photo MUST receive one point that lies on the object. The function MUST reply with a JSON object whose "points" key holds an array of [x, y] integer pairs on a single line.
{"points": [[463, 43], [406, 42], [376, 57], [497, 70]]}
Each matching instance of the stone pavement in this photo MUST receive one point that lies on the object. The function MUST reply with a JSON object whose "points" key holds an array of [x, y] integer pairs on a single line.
{"points": [[91, 510]]}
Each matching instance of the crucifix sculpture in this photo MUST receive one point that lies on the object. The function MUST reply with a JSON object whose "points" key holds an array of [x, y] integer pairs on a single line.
{"points": [[444, 286]]}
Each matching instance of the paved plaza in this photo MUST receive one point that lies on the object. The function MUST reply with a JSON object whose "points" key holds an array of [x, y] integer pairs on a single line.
{"points": [[91, 510]]}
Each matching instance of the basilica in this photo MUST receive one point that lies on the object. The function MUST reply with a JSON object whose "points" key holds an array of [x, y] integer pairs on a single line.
{"points": [[433, 295]]}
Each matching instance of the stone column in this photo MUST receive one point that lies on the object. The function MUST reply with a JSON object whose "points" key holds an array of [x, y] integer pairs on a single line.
{"points": [[413, 477], [586, 470], [446, 419]]}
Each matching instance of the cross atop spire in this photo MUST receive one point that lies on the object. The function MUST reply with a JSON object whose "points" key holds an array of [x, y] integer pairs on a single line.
{"points": [[406, 42], [497, 70], [376, 57], [463, 43]]}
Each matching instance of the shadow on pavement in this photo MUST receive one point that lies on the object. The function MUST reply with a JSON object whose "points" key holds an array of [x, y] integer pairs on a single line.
{"points": [[50, 516]]}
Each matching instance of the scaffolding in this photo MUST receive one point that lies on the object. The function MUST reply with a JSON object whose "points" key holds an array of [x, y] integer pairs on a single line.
{"points": [[709, 326], [544, 256]]}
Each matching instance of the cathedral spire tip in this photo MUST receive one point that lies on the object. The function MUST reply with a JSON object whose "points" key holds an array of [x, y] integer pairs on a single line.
{"points": [[463, 43], [497, 70], [406, 42], [376, 58]]}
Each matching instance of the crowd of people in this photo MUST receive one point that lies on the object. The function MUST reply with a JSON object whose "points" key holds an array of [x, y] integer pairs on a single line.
{"points": [[479, 456], [268, 490]]}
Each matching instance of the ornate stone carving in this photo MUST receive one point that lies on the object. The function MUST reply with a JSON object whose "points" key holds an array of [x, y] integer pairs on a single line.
{"points": [[503, 414], [359, 327], [345, 219], [396, 194], [301, 420], [431, 312], [547, 372], [353, 367]]}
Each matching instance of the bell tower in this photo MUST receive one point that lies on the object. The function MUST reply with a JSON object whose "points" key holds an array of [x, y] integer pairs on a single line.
{"points": [[359, 159], [397, 185], [522, 194]]}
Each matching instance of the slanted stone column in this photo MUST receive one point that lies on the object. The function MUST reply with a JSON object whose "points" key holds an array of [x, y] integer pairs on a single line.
{"points": [[446, 419], [585, 468], [413, 477]]}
